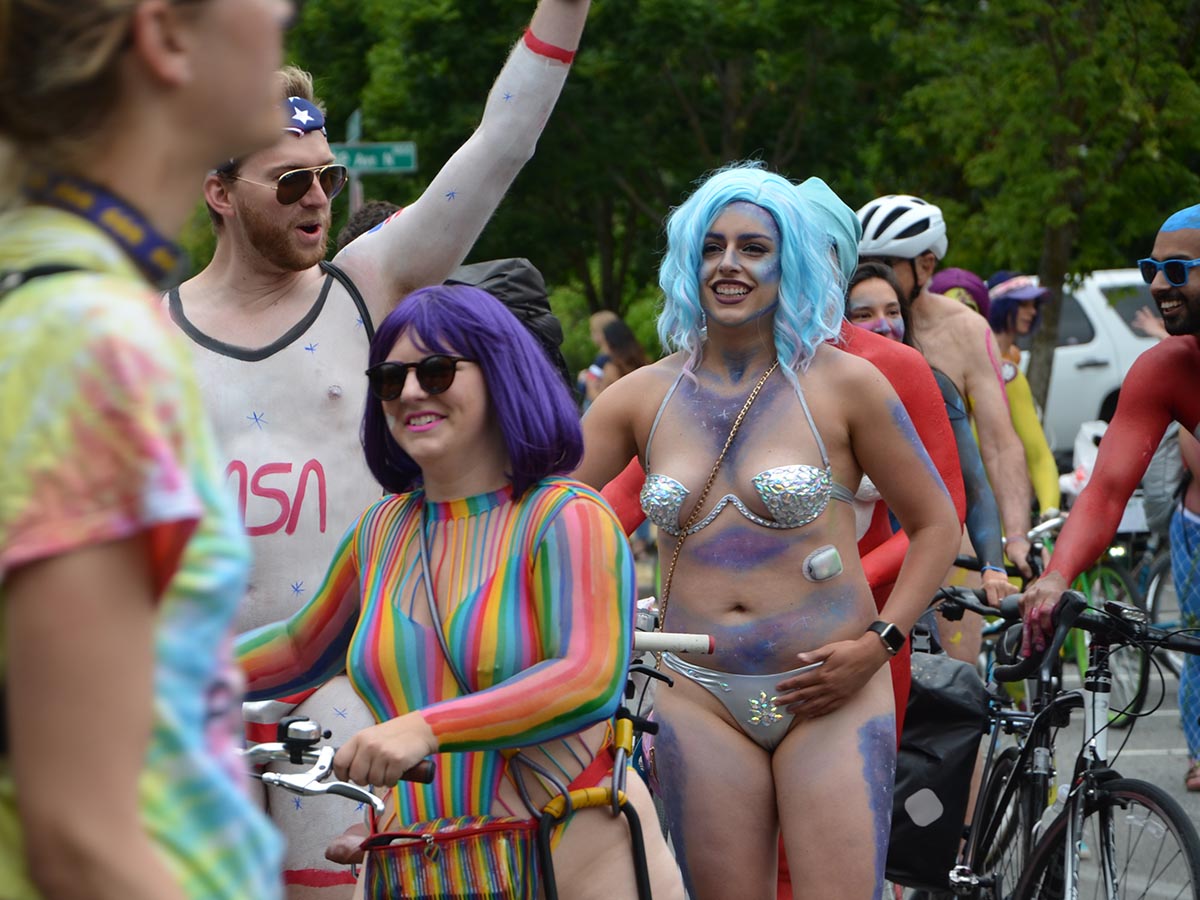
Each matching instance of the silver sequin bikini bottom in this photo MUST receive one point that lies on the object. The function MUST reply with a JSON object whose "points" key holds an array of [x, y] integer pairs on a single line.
{"points": [[750, 699]]}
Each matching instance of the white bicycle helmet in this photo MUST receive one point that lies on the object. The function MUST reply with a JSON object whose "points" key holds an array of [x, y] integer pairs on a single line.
{"points": [[903, 226]]}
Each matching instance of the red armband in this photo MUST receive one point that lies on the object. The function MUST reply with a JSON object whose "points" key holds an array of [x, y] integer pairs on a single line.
{"points": [[541, 48]]}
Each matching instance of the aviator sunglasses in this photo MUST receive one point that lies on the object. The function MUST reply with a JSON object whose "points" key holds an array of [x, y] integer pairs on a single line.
{"points": [[291, 186], [435, 374], [1176, 270]]}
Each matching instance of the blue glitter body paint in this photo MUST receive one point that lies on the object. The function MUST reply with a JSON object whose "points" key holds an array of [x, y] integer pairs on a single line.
{"points": [[877, 746], [768, 645], [904, 423], [742, 548], [672, 779], [983, 514], [716, 413]]}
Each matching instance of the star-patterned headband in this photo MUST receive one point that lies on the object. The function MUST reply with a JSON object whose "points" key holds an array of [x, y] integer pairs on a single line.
{"points": [[303, 116]]}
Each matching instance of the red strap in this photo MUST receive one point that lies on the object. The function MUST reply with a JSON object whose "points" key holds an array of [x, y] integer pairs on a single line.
{"points": [[540, 47], [597, 770]]}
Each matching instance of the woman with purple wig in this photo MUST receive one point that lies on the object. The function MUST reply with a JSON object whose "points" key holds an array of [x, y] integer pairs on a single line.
{"points": [[749, 434], [468, 428]]}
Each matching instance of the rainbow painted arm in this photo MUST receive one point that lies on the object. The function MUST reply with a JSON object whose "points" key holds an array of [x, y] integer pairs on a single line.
{"points": [[1043, 471], [583, 595], [309, 648]]}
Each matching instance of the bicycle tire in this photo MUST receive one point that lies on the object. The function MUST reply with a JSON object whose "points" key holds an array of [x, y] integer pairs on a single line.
{"points": [[1005, 845], [1162, 605], [1152, 843], [1130, 665]]}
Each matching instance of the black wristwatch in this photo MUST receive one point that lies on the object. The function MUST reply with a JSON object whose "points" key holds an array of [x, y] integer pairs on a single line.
{"points": [[891, 636]]}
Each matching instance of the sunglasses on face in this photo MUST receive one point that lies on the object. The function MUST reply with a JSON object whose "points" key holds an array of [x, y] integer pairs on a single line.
{"points": [[435, 374], [1176, 270], [291, 186]]}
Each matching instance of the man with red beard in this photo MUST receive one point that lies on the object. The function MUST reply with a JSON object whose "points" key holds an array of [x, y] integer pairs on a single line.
{"points": [[280, 339]]}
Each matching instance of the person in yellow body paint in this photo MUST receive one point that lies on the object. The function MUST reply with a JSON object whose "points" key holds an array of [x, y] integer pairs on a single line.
{"points": [[1011, 308]]}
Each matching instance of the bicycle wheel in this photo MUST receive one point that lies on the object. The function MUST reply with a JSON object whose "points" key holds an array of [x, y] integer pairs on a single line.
{"points": [[1140, 843], [1130, 665], [1162, 603], [1005, 843]]}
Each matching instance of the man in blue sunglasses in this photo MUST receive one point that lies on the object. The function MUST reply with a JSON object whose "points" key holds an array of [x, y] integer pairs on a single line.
{"points": [[1162, 386]]}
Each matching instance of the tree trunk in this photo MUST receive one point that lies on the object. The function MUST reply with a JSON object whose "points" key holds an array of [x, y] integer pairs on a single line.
{"points": [[1058, 243]]}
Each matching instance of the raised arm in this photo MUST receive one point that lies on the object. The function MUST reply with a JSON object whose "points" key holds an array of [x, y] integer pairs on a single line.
{"points": [[309, 648], [421, 245], [1003, 455]]}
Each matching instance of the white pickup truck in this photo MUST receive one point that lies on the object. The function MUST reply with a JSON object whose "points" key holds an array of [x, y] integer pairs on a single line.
{"points": [[1096, 346]]}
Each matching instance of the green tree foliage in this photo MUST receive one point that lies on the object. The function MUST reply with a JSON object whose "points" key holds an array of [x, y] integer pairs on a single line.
{"points": [[1056, 134], [1072, 123]]}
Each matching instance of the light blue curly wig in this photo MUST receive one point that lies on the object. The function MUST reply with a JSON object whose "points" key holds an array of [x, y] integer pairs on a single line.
{"points": [[810, 305]]}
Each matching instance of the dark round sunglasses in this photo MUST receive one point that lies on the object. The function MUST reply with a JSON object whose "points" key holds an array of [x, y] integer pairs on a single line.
{"points": [[1176, 270], [435, 374], [291, 186]]}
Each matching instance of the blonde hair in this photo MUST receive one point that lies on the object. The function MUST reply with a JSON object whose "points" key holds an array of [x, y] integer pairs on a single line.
{"points": [[58, 77], [295, 82]]}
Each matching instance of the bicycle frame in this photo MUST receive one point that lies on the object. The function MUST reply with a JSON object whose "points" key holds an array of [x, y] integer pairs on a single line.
{"points": [[1027, 784]]}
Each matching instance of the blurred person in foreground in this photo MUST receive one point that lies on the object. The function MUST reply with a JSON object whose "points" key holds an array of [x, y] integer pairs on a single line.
{"points": [[122, 561]]}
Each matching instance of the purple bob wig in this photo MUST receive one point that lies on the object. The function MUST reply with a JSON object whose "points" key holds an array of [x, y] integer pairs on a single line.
{"points": [[533, 407]]}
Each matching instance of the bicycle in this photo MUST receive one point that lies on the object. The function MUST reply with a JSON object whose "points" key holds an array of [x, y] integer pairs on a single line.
{"points": [[1108, 579], [1138, 840], [298, 741]]}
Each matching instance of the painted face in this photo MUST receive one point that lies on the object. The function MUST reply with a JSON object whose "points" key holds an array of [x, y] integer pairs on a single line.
{"points": [[432, 428], [293, 237], [1026, 313], [1179, 306], [873, 305], [740, 266]]}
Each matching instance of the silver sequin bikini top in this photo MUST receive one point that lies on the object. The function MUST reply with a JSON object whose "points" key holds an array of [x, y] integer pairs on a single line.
{"points": [[793, 495]]}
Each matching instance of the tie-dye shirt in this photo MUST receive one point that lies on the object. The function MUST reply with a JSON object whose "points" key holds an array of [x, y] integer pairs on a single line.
{"points": [[102, 437], [537, 601]]}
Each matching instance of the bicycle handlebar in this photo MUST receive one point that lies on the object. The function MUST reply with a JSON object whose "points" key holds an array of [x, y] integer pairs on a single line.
{"points": [[298, 745], [1117, 622], [1066, 616], [668, 642]]}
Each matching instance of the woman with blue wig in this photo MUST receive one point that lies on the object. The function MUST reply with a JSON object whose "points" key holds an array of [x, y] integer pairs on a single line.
{"points": [[749, 433], [526, 575]]}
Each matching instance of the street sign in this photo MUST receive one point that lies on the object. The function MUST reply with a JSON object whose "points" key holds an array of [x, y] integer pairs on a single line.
{"points": [[371, 158]]}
